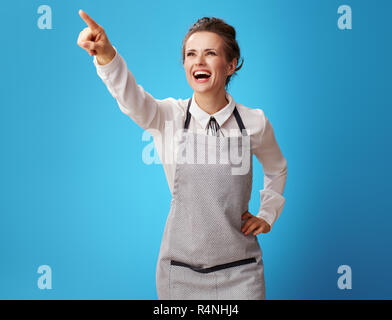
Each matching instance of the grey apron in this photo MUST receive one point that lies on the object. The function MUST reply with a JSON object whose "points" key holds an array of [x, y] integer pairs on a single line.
{"points": [[204, 254]]}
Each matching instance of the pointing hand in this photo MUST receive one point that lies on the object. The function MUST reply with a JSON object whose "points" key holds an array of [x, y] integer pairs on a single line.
{"points": [[93, 39]]}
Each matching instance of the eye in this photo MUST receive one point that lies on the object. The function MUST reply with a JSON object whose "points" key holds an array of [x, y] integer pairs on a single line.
{"points": [[189, 54], [211, 52]]}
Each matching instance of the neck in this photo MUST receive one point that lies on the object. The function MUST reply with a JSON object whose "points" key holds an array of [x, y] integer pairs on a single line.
{"points": [[211, 102]]}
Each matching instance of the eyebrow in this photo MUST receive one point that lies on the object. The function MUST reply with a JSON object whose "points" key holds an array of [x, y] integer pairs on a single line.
{"points": [[204, 49]]}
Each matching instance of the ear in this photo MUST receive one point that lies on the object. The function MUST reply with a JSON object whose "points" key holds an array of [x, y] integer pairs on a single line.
{"points": [[232, 66]]}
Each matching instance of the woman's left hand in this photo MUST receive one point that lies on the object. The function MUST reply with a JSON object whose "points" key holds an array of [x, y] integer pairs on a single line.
{"points": [[254, 224]]}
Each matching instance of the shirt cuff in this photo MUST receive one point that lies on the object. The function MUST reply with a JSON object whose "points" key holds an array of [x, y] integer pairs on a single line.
{"points": [[109, 67], [271, 207]]}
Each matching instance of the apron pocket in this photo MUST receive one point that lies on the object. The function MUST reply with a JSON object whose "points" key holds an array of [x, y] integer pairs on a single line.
{"points": [[245, 282], [192, 283], [215, 268], [187, 284]]}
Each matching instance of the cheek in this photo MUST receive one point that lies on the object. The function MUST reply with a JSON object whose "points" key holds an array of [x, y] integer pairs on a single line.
{"points": [[221, 74], [187, 66], [220, 68]]}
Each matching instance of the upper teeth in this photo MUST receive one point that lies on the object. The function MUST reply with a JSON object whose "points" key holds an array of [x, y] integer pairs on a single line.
{"points": [[201, 72]]}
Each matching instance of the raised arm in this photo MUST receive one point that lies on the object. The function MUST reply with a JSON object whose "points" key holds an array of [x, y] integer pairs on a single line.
{"points": [[133, 100]]}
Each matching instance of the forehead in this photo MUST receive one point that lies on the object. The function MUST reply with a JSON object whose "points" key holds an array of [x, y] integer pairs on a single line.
{"points": [[204, 39]]}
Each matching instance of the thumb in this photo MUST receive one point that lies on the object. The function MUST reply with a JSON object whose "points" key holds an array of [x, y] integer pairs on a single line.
{"points": [[89, 45]]}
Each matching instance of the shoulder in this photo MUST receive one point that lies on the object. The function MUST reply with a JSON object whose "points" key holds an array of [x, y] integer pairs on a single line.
{"points": [[254, 119], [175, 106]]}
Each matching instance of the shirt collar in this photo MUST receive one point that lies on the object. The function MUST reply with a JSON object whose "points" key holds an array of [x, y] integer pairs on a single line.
{"points": [[221, 116]]}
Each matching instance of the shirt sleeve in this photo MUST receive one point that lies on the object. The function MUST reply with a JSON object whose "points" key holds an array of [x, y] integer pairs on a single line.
{"points": [[133, 100], [274, 165]]}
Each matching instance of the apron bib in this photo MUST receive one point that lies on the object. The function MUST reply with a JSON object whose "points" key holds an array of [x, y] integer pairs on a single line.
{"points": [[204, 254]]}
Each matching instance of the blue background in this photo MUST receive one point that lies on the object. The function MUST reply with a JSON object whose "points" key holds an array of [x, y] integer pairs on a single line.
{"points": [[76, 195]]}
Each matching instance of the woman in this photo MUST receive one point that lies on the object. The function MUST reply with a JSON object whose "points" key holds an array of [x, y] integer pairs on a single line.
{"points": [[209, 248]]}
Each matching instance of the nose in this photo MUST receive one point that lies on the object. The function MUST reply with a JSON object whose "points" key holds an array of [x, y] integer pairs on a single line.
{"points": [[200, 59]]}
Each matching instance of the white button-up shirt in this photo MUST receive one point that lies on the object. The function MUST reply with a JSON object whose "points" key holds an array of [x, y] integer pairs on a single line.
{"points": [[156, 115]]}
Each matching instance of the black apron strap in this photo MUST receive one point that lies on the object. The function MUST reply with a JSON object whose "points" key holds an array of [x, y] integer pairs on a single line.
{"points": [[236, 115], [239, 121], [188, 115]]}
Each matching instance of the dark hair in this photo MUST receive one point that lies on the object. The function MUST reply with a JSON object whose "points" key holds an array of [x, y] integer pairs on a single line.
{"points": [[227, 33]]}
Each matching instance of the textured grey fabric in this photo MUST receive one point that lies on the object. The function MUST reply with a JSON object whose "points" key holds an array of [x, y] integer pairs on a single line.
{"points": [[203, 228]]}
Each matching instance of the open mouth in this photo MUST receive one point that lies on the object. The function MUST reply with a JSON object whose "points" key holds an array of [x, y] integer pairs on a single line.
{"points": [[201, 76]]}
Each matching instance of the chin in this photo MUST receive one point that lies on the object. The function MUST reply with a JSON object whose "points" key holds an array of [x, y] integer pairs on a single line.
{"points": [[203, 88]]}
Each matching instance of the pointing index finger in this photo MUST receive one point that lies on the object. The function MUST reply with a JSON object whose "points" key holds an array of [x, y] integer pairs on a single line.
{"points": [[90, 22]]}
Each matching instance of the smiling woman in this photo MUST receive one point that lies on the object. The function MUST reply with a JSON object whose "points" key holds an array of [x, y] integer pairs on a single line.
{"points": [[210, 56], [209, 248], [226, 34]]}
